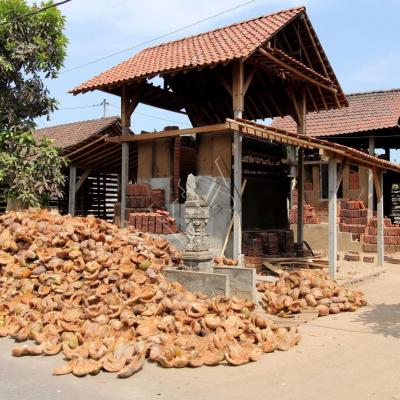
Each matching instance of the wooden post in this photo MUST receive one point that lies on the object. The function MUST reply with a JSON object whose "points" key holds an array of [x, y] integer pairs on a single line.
{"points": [[125, 125], [380, 245], [332, 226], [301, 129], [238, 107], [71, 191], [371, 151]]}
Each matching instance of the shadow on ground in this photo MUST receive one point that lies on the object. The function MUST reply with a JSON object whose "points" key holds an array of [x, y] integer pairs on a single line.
{"points": [[382, 318]]}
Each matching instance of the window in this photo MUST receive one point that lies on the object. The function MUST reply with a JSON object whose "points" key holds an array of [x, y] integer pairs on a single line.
{"points": [[324, 188]]}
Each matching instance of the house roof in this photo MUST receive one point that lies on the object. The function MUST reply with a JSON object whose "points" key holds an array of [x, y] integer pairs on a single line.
{"points": [[84, 145], [235, 41], [72, 134], [336, 150], [367, 111]]}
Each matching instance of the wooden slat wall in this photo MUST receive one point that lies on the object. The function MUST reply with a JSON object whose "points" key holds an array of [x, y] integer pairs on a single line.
{"points": [[97, 195]]}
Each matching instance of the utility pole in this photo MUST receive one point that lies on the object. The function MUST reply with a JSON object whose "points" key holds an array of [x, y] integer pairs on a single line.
{"points": [[105, 104]]}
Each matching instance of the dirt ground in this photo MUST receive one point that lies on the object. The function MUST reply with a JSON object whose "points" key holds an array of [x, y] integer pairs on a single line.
{"points": [[346, 356]]}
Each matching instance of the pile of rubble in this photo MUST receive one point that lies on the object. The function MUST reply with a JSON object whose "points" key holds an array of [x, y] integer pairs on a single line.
{"points": [[96, 293], [301, 290]]}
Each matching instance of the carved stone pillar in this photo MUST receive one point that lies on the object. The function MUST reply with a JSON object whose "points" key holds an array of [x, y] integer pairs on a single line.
{"points": [[197, 254]]}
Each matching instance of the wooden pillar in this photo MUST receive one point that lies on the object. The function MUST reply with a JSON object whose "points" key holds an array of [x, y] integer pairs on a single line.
{"points": [[380, 245], [238, 107], [72, 190], [371, 151], [301, 129], [125, 125], [332, 216]]}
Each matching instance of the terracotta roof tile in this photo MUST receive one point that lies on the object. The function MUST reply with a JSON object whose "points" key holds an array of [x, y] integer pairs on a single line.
{"points": [[367, 111], [217, 46], [68, 135]]}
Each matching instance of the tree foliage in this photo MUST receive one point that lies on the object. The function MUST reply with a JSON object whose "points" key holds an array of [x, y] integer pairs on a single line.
{"points": [[32, 170], [31, 48]]}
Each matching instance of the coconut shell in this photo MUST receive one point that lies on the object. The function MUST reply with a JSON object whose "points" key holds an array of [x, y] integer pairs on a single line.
{"points": [[323, 310], [311, 300]]}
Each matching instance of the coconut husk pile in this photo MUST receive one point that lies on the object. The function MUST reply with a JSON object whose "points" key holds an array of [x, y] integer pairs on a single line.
{"points": [[301, 290], [95, 293]]}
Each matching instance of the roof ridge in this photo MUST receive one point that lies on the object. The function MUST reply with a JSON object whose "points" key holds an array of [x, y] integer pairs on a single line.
{"points": [[373, 91], [115, 117], [300, 8]]}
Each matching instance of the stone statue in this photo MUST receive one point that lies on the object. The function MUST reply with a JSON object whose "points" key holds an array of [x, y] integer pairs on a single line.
{"points": [[196, 218]]}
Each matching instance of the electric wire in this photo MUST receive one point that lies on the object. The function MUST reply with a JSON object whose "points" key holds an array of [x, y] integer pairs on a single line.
{"points": [[29, 14], [156, 38]]}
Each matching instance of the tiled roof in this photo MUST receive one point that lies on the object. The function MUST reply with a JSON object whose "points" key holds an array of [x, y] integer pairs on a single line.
{"points": [[220, 45], [367, 111], [67, 135]]}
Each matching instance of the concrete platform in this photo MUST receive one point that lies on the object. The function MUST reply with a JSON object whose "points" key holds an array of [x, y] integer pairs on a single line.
{"points": [[211, 284]]}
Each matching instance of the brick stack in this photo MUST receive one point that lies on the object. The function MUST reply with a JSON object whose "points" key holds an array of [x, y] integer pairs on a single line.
{"points": [[309, 215], [157, 198], [138, 196], [253, 250], [353, 217], [391, 236], [158, 222], [354, 180], [396, 205], [268, 243]]}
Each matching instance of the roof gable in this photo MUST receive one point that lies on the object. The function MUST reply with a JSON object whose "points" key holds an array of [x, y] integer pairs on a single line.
{"points": [[235, 41]]}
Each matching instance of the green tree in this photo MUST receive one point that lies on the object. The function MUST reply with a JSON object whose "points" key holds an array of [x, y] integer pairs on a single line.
{"points": [[32, 170], [32, 48]]}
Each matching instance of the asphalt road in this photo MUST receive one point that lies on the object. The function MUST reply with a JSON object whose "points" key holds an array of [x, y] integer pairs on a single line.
{"points": [[348, 356]]}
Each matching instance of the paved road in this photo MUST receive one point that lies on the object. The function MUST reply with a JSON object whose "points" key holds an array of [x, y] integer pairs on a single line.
{"points": [[348, 356]]}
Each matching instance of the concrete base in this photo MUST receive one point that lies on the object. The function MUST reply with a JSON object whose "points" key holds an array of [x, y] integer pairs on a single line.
{"points": [[317, 237], [208, 283], [197, 261], [242, 281]]}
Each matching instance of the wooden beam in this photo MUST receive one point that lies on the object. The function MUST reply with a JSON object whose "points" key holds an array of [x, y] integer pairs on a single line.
{"points": [[380, 245], [71, 191], [126, 112], [82, 179], [295, 71], [377, 183], [371, 152], [249, 79], [238, 108], [301, 129], [167, 134], [332, 216], [315, 47], [224, 82], [341, 172]]}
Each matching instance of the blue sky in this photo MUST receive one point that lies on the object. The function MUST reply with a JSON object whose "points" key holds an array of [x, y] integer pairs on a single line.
{"points": [[360, 38]]}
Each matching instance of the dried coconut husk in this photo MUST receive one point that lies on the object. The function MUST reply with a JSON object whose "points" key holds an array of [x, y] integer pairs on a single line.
{"points": [[96, 293], [300, 290]]}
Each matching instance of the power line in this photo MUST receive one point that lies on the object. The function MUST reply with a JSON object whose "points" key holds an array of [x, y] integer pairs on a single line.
{"points": [[34, 12], [157, 38], [154, 116], [79, 107], [105, 103]]}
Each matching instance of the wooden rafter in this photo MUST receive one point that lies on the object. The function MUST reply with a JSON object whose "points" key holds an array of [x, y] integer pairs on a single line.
{"points": [[166, 134], [297, 71]]}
